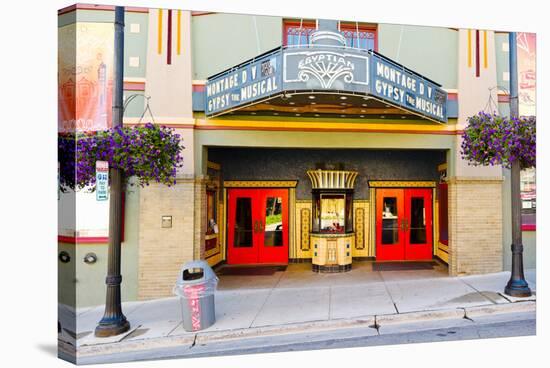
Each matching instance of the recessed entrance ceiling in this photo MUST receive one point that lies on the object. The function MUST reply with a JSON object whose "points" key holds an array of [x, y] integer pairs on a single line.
{"points": [[323, 104]]}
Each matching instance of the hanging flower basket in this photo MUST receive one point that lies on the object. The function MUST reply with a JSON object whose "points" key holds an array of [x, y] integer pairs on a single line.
{"points": [[151, 153], [490, 139]]}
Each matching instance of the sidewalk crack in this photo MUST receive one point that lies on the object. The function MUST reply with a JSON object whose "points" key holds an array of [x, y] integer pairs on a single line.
{"points": [[395, 306], [389, 294], [466, 315], [376, 326], [265, 301], [194, 341]]}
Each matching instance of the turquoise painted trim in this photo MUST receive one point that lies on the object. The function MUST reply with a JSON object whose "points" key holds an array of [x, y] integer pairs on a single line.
{"points": [[66, 18], [220, 41], [95, 16], [135, 44], [452, 109], [136, 106], [430, 51], [502, 59], [199, 101]]}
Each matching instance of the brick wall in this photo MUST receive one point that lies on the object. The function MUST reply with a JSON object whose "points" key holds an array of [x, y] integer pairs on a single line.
{"points": [[200, 218], [475, 225], [162, 251]]}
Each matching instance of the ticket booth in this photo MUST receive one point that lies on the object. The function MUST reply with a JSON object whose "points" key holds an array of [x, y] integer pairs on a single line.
{"points": [[332, 234]]}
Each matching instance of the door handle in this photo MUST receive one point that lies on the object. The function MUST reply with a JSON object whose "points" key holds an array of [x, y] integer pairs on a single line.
{"points": [[256, 225], [404, 224]]}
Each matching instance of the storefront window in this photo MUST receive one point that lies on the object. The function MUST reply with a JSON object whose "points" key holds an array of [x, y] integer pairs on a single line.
{"points": [[332, 212], [358, 36], [528, 189], [211, 219]]}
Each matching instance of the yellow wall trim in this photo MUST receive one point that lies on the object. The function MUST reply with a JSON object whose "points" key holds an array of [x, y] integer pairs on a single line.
{"points": [[178, 34], [402, 184], [159, 33], [474, 179], [387, 126], [469, 48], [260, 184]]}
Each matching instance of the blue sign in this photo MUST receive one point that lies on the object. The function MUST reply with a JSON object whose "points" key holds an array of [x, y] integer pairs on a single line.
{"points": [[400, 87], [252, 82], [337, 69], [322, 68], [101, 180]]}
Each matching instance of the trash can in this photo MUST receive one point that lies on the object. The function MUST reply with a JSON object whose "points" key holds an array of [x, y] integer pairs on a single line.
{"points": [[195, 287]]}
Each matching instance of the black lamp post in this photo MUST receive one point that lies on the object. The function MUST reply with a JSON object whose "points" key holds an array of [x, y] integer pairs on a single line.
{"points": [[114, 322], [517, 285]]}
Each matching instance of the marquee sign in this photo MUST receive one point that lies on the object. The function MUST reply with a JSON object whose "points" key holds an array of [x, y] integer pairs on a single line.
{"points": [[324, 68], [241, 85], [397, 85]]}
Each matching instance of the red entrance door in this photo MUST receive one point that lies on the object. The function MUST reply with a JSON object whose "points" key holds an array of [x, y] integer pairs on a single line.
{"points": [[257, 226], [403, 224]]}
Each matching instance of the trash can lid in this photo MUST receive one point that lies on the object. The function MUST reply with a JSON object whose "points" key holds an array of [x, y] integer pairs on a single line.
{"points": [[190, 276]]}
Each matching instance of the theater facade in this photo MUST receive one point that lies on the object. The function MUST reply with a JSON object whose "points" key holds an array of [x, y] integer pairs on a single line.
{"points": [[306, 140]]}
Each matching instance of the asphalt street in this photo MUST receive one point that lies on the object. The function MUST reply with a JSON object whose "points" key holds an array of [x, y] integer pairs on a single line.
{"points": [[521, 324]]}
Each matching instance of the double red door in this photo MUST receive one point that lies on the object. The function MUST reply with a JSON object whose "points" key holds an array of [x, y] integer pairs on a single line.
{"points": [[257, 224], [404, 224]]}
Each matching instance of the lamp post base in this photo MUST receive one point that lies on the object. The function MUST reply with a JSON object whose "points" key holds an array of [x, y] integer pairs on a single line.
{"points": [[517, 289], [112, 327]]}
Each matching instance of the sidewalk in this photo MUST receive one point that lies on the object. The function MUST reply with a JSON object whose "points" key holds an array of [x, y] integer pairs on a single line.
{"points": [[296, 301]]}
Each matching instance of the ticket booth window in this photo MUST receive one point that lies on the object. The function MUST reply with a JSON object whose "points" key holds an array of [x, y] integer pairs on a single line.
{"points": [[332, 212]]}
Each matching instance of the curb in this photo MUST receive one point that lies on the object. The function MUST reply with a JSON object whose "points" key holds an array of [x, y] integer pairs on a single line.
{"points": [[410, 317], [315, 326], [374, 321], [488, 310]]}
